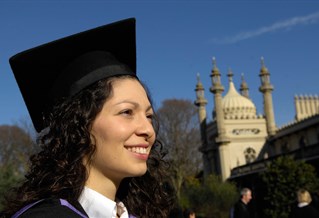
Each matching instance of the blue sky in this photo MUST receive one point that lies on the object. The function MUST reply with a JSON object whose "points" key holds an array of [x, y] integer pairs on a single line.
{"points": [[176, 40]]}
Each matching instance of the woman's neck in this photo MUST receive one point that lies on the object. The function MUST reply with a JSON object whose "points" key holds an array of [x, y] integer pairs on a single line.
{"points": [[103, 185]]}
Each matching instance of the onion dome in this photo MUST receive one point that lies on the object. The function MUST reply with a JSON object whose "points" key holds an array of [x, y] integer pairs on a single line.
{"points": [[236, 105]]}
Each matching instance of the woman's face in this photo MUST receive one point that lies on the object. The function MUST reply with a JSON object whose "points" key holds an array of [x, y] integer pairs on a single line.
{"points": [[123, 133]]}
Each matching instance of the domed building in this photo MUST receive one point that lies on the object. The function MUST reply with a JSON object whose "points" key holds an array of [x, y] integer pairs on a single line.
{"points": [[237, 133], [239, 142]]}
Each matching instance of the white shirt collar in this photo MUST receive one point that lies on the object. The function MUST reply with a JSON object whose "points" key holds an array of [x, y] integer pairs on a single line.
{"points": [[302, 204], [97, 205]]}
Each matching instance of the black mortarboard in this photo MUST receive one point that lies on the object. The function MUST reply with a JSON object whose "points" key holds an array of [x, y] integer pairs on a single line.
{"points": [[65, 66]]}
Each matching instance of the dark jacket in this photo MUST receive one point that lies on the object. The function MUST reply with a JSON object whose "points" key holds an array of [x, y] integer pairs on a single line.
{"points": [[241, 210], [304, 212], [53, 208]]}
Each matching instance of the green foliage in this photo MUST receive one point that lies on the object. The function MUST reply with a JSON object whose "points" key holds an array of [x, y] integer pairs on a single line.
{"points": [[8, 178], [212, 198], [16, 145], [283, 178]]}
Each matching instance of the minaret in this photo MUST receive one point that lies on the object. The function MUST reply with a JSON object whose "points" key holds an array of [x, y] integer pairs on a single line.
{"points": [[201, 102], [221, 139], [244, 90], [266, 88], [217, 89]]}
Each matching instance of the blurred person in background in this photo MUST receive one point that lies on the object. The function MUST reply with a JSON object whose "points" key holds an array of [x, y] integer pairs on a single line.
{"points": [[304, 209], [240, 209]]}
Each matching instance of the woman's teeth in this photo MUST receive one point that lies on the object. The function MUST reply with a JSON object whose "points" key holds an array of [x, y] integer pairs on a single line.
{"points": [[139, 150]]}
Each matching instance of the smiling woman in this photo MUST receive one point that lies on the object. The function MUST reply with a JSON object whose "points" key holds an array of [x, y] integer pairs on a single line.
{"points": [[128, 145], [99, 153]]}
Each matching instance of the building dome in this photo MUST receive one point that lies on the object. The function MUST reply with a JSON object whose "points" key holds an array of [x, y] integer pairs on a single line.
{"points": [[236, 106]]}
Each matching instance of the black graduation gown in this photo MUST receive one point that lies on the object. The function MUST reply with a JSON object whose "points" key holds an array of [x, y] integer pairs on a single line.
{"points": [[241, 210], [52, 208]]}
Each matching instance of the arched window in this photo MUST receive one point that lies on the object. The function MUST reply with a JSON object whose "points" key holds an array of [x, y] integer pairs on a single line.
{"points": [[250, 155]]}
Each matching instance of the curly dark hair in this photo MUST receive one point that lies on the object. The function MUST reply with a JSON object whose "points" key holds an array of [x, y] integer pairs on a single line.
{"points": [[58, 171]]}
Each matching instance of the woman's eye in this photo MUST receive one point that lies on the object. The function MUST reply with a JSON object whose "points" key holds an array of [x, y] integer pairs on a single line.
{"points": [[127, 112], [150, 117]]}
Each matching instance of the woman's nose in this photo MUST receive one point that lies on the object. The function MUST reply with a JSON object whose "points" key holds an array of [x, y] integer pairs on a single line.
{"points": [[145, 128]]}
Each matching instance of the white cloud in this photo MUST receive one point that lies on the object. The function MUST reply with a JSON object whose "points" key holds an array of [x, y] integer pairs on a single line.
{"points": [[281, 25]]}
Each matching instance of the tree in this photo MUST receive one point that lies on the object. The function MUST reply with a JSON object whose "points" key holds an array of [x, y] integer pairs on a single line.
{"points": [[16, 145], [179, 132], [210, 198], [282, 178]]}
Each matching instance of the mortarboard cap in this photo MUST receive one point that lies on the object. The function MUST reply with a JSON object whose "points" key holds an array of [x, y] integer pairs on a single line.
{"points": [[63, 67]]}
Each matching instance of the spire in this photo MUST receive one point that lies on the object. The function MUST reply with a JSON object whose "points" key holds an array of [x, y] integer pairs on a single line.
{"points": [[262, 61], [214, 64], [215, 75], [244, 90], [230, 75], [200, 100], [266, 88], [198, 79], [263, 70], [265, 78]]}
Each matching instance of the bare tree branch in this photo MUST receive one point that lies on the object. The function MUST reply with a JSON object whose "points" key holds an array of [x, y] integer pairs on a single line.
{"points": [[180, 134]]}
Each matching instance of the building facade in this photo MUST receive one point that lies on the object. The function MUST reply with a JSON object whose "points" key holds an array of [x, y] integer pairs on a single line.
{"points": [[238, 141]]}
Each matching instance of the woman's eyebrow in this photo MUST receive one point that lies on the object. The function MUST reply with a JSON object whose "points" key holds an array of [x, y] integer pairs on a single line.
{"points": [[135, 104], [127, 101]]}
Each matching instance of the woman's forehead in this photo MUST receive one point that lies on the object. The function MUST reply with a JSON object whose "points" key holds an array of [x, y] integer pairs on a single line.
{"points": [[128, 89]]}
